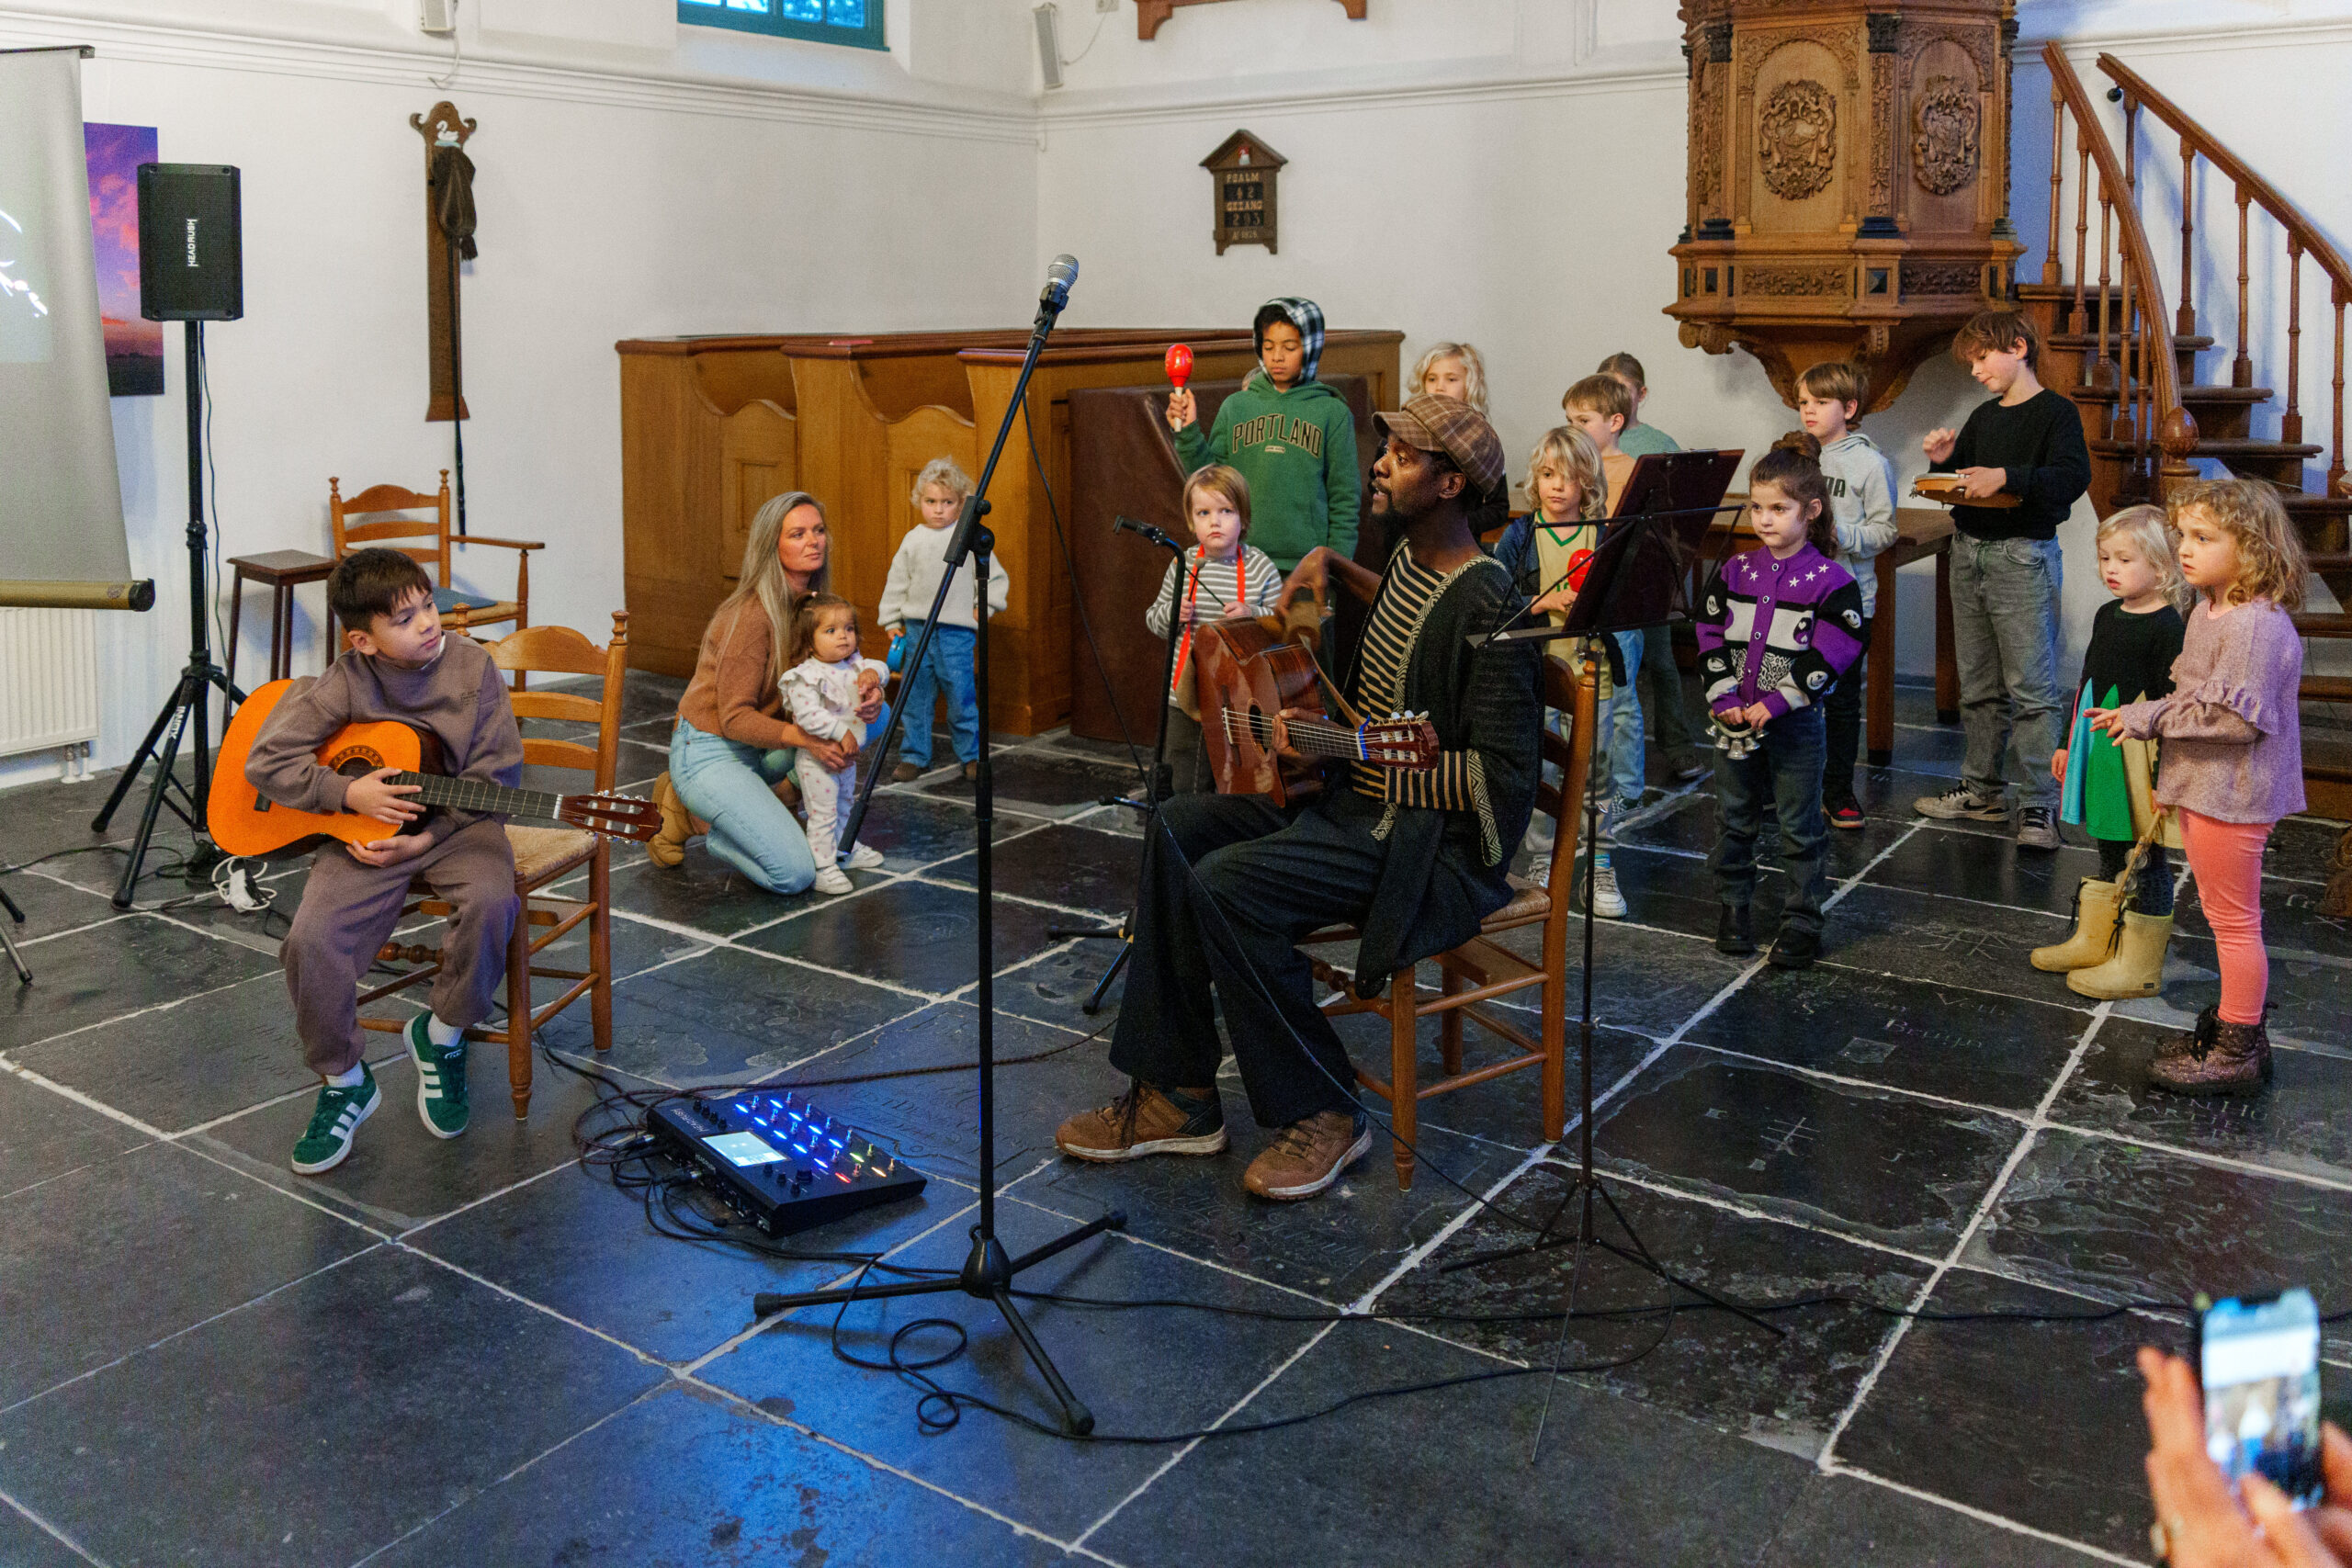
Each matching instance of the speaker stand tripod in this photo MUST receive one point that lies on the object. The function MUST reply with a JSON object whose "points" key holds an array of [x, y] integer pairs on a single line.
{"points": [[191, 701], [8, 941]]}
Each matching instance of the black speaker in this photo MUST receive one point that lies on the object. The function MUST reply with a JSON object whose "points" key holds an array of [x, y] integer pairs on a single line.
{"points": [[191, 257]]}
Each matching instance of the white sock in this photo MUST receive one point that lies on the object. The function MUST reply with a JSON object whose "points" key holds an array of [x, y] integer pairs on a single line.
{"points": [[351, 1079], [442, 1033]]}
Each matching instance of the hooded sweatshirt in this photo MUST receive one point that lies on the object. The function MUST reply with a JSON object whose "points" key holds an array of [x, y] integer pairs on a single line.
{"points": [[1296, 449], [1862, 503]]}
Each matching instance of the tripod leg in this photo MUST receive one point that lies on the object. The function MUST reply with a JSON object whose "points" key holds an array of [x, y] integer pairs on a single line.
{"points": [[1102, 986], [1077, 1419], [131, 769], [767, 1304], [164, 763], [16, 959], [1116, 1220]]}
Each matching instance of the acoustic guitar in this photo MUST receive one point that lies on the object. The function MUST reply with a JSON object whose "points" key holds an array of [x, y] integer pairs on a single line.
{"points": [[245, 822], [1247, 678]]}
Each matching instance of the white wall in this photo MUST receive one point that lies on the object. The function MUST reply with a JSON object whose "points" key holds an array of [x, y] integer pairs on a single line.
{"points": [[678, 180], [1505, 171]]}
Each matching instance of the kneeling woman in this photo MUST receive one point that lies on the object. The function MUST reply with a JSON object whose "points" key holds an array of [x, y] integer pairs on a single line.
{"points": [[732, 746]]}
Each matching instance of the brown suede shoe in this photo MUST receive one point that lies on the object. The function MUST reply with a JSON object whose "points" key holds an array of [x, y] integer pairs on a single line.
{"points": [[971, 770], [1145, 1121], [1307, 1156], [788, 792], [905, 773], [669, 846], [2234, 1060]]}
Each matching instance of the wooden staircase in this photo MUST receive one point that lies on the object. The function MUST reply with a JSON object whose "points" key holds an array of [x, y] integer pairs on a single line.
{"points": [[2130, 365]]}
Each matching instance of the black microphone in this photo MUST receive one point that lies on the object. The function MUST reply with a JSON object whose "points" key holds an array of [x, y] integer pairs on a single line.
{"points": [[1058, 277], [1124, 524]]}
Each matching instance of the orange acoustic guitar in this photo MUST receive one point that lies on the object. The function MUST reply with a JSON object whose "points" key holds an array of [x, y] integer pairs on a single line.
{"points": [[1246, 681], [244, 823]]}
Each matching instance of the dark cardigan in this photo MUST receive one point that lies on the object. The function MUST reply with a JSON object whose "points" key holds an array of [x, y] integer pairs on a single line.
{"points": [[1442, 877]]}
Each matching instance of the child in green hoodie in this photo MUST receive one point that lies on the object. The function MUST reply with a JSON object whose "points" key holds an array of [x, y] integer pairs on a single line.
{"points": [[1291, 436]]}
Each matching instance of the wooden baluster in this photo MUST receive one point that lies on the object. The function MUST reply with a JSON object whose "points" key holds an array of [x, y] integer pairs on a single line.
{"points": [[2131, 146], [2290, 423], [2082, 223], [2051, 271], [2335, 453], [2242, 367], [2106, 309], [2185, 319]]}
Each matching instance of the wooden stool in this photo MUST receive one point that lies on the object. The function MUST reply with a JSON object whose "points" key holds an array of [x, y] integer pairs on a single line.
{"points": [[284, 572]]}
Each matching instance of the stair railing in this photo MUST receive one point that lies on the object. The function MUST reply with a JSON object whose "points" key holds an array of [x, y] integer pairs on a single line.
{"points": [[2129, 311], [2303, 239]]}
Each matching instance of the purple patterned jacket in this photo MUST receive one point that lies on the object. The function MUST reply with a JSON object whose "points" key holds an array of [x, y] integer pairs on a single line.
{"points": [[1777, 632]]}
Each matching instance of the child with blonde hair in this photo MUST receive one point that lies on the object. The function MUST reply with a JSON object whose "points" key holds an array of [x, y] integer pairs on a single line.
{"points": [[940, 492], [2105, 784], [1223, 577], [1451, 370], [1551, 542], [2233, 755]]}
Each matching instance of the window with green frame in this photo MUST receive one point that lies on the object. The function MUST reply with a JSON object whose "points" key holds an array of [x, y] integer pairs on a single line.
{"points": [[854, 22]]}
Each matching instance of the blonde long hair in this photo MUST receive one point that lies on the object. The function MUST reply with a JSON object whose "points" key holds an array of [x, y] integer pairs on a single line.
{"points": [[764, 581], [2271, 563], [1572, 452], [1474, 371]]}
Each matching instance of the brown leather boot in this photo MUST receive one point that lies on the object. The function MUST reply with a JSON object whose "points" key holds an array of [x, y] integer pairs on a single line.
{"points": [[1307, 1156], [1145, 1121], [2230, 1059], [669, 846]]}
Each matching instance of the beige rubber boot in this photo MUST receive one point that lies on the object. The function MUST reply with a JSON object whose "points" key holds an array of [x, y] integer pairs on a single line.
{"points": [[669, 846], [2094, 934], [2137, 969]]}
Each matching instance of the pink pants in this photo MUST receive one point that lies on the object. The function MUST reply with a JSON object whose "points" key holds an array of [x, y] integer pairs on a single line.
{"points": [[2226, 860]]}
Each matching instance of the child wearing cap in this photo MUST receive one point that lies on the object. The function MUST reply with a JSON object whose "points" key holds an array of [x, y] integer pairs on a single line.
{"points": [[1290, 436]]}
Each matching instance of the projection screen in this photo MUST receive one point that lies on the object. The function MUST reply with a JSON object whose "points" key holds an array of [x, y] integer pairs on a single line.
{"points": [[62, 539]]}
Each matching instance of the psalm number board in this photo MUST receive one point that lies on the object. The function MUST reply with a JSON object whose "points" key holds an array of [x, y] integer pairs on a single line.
{"points": [[1245, 170]]}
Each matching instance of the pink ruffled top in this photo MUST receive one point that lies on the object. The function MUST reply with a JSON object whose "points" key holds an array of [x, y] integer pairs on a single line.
{"points": [[2233, 748]]}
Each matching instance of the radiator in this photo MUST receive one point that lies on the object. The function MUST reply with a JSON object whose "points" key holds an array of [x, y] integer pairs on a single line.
{"points": [[49, 679]]}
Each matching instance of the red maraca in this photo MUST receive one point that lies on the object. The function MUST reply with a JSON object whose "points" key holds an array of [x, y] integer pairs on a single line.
{"points": [[1180, 364], [1579, 564]]}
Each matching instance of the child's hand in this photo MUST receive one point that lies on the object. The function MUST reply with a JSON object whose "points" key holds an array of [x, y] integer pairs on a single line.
{"points": [[1181, 409], [1979, 483], [1938, 444], [868, 680], [391, 851], [1557, 600], [2108, 721], [376, 796], [896, 631], [2058, 764], [1756, 715]]}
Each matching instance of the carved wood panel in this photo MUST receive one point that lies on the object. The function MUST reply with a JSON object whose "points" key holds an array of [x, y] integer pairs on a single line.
{"points": [[1150, 14]]}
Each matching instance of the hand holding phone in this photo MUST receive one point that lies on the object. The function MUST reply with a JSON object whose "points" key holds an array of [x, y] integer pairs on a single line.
{"points": [[2257, 1358]]}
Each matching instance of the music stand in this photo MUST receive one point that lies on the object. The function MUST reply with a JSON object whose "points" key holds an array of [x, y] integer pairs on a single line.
{"points": [[1639, 576]]}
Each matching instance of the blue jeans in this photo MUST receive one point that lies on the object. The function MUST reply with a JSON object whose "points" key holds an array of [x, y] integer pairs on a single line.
{"points": [[732, 786], [1786, 770], [2005, 642], [948, 664], [1620, 718]]}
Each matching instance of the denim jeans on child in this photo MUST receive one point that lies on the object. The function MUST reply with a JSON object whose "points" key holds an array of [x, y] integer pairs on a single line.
{"points": [[2004, 640], [948, 665], [1841, 718], [1620, 723], [1785, 771]]}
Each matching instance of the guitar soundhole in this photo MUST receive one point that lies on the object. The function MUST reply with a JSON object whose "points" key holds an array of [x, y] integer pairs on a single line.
{"points": [[356, 761]]}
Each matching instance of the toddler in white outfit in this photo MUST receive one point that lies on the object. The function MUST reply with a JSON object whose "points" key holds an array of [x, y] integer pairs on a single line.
{"points": [[822, 694]]}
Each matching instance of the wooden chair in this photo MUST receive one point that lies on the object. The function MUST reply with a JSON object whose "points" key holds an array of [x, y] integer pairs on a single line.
{"points": [[381, 516], [544, 856], [1482, 970]]}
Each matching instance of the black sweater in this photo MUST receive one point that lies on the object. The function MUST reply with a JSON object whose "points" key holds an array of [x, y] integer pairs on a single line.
{"points": [[2039, 443], [2129, 654]]}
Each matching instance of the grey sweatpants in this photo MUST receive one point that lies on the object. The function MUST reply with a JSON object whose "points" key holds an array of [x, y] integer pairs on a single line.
{"points": [[347, 913]]}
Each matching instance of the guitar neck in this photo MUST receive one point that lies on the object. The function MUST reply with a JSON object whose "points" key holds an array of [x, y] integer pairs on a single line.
{"points": [[488, 799], [1309, 736]]}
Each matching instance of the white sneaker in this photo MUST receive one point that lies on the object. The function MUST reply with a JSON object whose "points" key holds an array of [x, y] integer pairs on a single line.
{"points": [[1607, 902], [866, 857], [833, 879]]}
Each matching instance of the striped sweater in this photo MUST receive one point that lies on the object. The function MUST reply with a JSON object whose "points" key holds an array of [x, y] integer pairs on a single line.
{"points": [[1218, 590], [1777, 632]]}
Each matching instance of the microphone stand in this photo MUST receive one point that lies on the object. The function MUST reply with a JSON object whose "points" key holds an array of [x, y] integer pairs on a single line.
{"points": [[1157, 787], [988, 1271]]}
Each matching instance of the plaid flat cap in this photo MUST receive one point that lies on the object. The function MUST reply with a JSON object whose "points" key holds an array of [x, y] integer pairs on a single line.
{"points": [[1454, 427]]}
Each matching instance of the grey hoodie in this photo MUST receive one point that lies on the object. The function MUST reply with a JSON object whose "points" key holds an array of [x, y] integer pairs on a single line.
{"points": [[1861, 502]]}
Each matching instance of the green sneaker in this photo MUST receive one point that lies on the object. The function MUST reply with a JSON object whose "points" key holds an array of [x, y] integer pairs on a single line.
{"points": [[338, 1118], [441, 1103]]}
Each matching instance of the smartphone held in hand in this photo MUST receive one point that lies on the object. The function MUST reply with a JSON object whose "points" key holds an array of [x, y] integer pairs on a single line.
{"points": [[2259, 1360]]}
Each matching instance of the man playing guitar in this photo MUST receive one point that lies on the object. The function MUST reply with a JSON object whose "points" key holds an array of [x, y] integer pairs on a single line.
{"points": [[1415, 860]]}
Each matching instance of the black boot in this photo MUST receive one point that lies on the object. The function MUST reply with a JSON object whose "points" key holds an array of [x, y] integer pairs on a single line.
{"points": [[1734, 932], [1795, 949]]}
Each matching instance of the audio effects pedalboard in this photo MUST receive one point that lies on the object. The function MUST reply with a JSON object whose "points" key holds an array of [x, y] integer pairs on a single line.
{"points": [[778, 1161]]}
